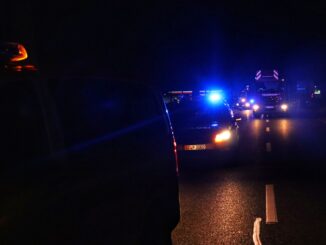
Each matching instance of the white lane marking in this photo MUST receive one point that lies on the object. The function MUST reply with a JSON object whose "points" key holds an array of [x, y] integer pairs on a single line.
{"points": [[271, 213], [268, 129], [256, 233], [268, 147]]}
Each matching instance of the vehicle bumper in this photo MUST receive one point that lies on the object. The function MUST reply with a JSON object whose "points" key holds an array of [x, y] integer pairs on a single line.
{"points": [[204, 147], [206, 158], [243, 107], [276, 111]]}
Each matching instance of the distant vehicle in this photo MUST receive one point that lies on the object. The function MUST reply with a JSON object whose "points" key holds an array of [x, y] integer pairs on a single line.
{"points": [[244, 101], [309, 94], [203, 122], [270, 94]]}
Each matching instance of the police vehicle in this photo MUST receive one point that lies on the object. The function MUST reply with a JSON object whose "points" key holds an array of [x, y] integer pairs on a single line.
{"points": [[202, 121]]}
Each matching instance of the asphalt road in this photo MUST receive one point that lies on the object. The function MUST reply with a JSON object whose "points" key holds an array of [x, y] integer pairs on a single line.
{"points": [[222, 198]]}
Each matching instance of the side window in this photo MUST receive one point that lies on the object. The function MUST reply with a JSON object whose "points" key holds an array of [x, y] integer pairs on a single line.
{"points": [[95, 108], [119, 125]]}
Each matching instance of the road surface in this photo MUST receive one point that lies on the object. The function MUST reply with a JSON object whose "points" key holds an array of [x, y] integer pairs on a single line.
{"points": [[278, 177]]}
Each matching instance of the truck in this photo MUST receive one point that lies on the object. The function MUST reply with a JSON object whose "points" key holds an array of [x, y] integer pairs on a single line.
{"points": [[270, 94]]}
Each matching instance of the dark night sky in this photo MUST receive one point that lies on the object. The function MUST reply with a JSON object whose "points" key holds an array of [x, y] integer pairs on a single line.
{"points": [[182, 42]]}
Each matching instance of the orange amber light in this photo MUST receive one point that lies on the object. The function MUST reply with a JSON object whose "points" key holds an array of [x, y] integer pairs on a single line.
{"points": [[22, 54]]}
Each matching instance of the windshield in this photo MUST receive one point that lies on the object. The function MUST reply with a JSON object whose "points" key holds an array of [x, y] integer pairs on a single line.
{"points": [[269, 85], [198, 114]]}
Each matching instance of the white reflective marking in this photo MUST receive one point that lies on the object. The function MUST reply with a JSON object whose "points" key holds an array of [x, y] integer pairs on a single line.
{"points": [[256, 232], [268, 147], [268, 129], [270, 93], [271, 213]]}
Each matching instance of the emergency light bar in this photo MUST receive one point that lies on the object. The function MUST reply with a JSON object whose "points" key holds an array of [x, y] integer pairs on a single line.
{"points": [[201, 92]]}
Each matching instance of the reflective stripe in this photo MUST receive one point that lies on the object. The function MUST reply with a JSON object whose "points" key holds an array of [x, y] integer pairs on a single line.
{"points": [[207, 147], [271, 94]]}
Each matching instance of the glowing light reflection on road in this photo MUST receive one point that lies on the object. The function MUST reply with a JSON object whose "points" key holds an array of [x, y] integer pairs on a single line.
{"points": [[284, 127], [216, 214], [257, 127], [247, 114]]}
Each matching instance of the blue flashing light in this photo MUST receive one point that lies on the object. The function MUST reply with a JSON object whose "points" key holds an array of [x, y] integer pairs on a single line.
{"points": [[214, 125], [215, 97], [252, 101]]}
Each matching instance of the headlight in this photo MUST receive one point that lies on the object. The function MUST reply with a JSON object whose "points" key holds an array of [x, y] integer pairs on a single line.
{"points": [[247, 105], [243, 100], [284, 107], [255, 107], [225, 135]]}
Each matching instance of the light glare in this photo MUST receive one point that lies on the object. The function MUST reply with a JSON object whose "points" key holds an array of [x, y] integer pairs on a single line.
{"points": [[255, 107], [223, 136], [215, 97], [22, 54], [284, 107]]}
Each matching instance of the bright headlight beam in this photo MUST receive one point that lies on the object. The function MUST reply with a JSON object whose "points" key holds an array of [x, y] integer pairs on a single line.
{"points": [[223, 136], [284, 107], [255, 107]]}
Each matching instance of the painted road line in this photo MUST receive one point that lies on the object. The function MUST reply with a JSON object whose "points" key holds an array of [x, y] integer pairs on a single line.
{"points": [[271, 213], [268, 129], [256, 232], [268, 147]]}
